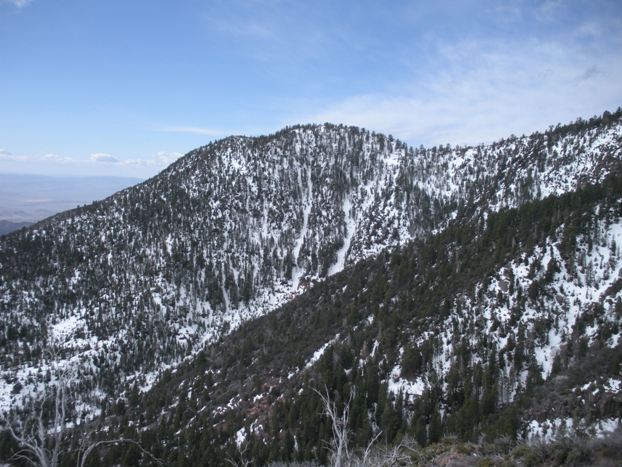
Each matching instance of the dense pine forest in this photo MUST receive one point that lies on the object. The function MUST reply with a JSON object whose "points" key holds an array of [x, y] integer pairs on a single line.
{"points": [[392, 311], [462, 300]]}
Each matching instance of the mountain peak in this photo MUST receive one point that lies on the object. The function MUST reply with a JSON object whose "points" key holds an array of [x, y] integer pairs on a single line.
{"points": [[238, 228]]}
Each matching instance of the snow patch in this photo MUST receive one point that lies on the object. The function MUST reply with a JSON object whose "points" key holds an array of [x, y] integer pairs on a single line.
{"points": [[409, 389], [347, 240], [319, 352]]}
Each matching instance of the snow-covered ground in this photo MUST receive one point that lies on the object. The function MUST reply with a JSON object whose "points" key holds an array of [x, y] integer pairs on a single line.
{"points": [[247, 211]]}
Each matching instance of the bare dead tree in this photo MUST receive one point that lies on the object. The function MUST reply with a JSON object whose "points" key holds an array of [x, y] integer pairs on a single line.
{"points": [[339, 449], [40, 436], [390, 456], [40, 441], [372, 455], [368, 452], [242, 457]]}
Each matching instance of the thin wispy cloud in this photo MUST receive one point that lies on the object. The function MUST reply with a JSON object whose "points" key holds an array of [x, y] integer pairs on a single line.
{"points": [[17, 3], [428, 72], [103, 157], [8, 156], [159, 160], [98, 162], [282, 34], [52, 157], [486, 91]]}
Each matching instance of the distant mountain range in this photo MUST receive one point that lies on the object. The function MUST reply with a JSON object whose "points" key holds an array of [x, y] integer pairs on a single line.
{"points": [[26, 198], [8, 226], [462, 291]]}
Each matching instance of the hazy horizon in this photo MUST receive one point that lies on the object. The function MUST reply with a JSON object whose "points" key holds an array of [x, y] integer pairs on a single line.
{"points": [[33, 197]]}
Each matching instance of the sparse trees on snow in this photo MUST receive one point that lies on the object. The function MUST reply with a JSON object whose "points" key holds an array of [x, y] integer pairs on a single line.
{"points": [[41, 435]]}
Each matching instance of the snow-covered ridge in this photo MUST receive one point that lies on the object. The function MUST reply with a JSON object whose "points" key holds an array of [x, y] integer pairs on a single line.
{"points": [[237, 228], [527, 312]]}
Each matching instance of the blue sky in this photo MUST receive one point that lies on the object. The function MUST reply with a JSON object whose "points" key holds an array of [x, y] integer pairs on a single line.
{"points": [[125, 87]]}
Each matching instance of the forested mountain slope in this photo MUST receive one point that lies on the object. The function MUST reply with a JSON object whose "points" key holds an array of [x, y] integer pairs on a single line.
{"points": [[135, 283], [505, 327]]}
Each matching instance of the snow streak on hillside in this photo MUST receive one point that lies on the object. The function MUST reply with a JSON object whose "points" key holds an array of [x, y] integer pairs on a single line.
{"points": [[527, 312], [235, 229]]}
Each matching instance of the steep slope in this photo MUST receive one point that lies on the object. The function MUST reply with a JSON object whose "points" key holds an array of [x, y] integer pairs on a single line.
{"points": [[505, 327], [135, 283]]}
